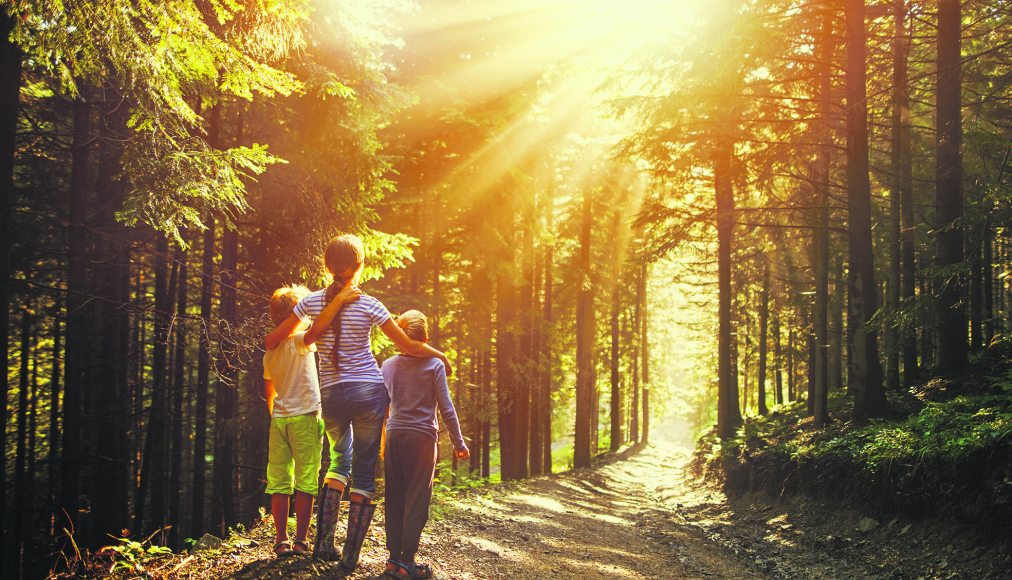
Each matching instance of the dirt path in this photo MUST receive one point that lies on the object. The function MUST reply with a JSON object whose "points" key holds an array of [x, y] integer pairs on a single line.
{"points": [[611, 521], [636, 515]]}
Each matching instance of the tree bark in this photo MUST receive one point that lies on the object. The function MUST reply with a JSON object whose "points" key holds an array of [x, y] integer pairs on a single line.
{"points": [[535, 459], [764, 315], [198, 524], [952, 356], [10, 89], [728, 413], [584, 343], [634, 410], [548, 329], [869, 397], [178, 386], [902, 168], [54, 415], [227, 393], [819, 386], [791, 395], [108, 414], [78, 348], [778, 360], [645, 352], [21, 531], [987, 266], [616, 389], [155, 457]]}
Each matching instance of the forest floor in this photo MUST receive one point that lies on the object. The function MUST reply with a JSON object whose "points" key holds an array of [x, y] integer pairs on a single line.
{"points": [[638, 514]]}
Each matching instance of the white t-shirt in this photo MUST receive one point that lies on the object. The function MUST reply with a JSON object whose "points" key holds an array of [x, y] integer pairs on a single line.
{"points": [[292, 367]]}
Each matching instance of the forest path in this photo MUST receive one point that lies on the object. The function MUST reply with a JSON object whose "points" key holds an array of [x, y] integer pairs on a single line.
{"points": [[638, 514], [611, 521]]}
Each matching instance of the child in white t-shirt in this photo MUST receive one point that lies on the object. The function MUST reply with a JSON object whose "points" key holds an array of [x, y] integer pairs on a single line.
{"points": [[292, 389]]}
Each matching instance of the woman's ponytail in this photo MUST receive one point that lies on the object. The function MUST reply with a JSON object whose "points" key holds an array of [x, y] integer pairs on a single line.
{"points": [[343, 258]]}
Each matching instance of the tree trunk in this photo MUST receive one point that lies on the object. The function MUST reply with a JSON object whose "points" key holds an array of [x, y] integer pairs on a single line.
{"points": [[227, 393], [728, 413], [836, 338], [584, 344], [976, 300], [525, 354], [634, 412], [198, 524], [819, 386], [78, 349], [902, 168], [869, 397], [535, 459], [547, 340], [54, 414], [155, 457], [908, 249], [616, 390], [778, 360], [764, 315], [645, 352], [10, 88], [952, 358], [506, 373], [791, 395], [988, 282], [21, 533], [108, 415], [179, 369]]}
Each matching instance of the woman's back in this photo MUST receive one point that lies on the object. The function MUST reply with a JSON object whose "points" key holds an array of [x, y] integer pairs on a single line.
{"points": [[357, 319]]}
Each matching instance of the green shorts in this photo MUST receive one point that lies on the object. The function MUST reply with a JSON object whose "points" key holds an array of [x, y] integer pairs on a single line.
{"points": [[294, 453]]}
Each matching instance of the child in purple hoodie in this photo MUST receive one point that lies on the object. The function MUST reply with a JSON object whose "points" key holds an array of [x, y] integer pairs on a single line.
{"points": [[417, 386]]}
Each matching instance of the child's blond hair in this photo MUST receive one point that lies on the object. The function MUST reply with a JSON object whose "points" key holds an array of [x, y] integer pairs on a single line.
{"points": [[414, 324], [283, 301]]}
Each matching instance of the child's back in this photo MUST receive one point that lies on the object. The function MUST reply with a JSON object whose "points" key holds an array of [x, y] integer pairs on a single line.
{"points": [[292, 368], [417, 387]]}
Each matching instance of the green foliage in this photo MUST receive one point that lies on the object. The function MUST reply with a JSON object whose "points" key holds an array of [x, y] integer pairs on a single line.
{"points": [[130, 555], [947, 446], [167, 60]]}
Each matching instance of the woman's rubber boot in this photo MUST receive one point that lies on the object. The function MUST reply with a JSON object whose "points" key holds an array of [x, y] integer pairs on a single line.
{"points": [[326, 524], [359, 519]]}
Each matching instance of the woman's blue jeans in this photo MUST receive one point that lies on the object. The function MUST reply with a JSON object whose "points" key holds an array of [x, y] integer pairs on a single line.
{"points": [[353, 415]]}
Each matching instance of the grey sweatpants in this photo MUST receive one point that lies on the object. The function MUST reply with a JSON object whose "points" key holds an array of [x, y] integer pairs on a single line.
{"points": [[409, 465]]}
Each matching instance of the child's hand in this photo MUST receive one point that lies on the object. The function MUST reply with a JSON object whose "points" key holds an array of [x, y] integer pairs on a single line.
{"points": [[463, 453], [348, 294]]}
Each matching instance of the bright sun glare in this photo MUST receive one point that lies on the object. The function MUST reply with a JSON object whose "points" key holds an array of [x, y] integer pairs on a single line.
{"points": [[571, 50]]}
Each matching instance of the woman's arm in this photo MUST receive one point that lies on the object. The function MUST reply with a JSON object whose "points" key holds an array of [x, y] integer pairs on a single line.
{"points": [[410, 346], [283, 331], [323, 321]]}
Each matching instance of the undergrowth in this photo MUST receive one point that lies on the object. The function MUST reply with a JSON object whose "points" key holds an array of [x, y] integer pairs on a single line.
{"points": [[946, 446]]}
